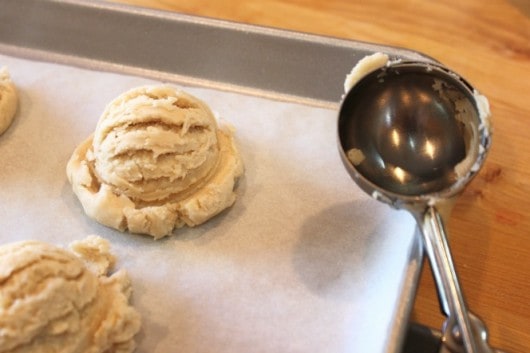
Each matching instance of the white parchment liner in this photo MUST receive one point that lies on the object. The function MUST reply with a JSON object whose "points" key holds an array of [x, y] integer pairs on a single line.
{"points": [[303, 262]]}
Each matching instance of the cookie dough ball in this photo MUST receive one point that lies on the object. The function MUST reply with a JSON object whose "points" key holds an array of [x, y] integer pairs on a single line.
{"points": [[157, 161], [8, 100], [55, 300]]}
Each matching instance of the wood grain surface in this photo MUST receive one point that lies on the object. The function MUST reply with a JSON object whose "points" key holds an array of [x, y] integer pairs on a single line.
{"points": [[488, 43]]}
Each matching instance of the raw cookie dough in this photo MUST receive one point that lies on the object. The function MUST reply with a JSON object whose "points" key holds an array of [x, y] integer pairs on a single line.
{"points": [[366, 65], [156, 161], [55, 300], [8, 100]]}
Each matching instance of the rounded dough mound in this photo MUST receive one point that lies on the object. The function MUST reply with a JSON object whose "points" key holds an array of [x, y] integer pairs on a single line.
{"points": [[52, 301], [8, 100], [156, 161]]}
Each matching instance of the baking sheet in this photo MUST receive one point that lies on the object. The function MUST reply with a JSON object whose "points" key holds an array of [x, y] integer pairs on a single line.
{"points": [[264, 61], [303, 262]]}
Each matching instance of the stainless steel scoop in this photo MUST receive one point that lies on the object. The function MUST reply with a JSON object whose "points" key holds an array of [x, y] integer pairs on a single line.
{"points": [[412, 135]]}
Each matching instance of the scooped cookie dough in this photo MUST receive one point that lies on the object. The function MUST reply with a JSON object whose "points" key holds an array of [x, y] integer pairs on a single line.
{"points": [[55, 300], [157, 161], [8, 100]]}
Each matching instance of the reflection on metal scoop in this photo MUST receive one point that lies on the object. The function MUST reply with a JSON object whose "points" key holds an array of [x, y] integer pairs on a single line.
{"points": [[412, 135]]}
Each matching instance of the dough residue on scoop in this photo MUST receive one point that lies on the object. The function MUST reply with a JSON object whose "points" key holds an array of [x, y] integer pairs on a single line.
{"points": [[8, 100], [366, 65], [157, 161], [50, 300], [355, 156]]}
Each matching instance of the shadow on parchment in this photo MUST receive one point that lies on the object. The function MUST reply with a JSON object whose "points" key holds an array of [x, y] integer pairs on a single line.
{"points": [[338, 246]]}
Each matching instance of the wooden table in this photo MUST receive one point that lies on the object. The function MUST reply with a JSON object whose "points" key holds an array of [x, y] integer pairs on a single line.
{"points": [[487, 42]]}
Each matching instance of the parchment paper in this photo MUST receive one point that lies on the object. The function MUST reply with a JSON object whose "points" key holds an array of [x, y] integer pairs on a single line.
{"points": [[303, 262]]}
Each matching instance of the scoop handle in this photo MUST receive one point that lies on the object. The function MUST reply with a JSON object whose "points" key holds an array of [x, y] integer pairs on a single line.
{"points": [[451, 297]]}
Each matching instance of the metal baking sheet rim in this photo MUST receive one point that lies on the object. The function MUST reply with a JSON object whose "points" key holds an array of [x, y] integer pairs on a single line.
{"points": [[272, 63], [19, 47], [96, 65]]}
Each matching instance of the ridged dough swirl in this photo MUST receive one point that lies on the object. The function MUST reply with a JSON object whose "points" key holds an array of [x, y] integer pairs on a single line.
{"points": [[157, 160], [54, 301]]}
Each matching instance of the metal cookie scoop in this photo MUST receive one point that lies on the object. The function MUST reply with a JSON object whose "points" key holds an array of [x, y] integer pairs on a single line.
{"points": [[413, 135]]}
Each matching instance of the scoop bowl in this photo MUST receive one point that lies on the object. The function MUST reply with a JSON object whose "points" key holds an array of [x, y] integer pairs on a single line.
{"points": [[413, 135]]}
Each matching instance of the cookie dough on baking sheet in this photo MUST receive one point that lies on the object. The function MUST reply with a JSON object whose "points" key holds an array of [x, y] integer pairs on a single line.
{"points": [[52, 299], [290, 260], [156, 161], [8, 100]]}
